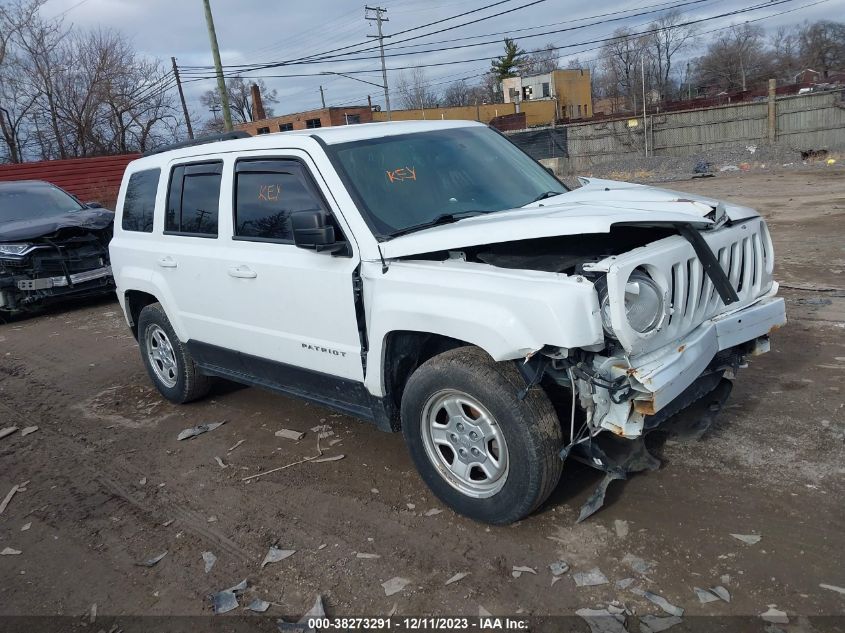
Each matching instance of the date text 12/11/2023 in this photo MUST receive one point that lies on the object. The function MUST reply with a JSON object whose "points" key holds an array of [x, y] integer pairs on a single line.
{"points": [[481, 623]]}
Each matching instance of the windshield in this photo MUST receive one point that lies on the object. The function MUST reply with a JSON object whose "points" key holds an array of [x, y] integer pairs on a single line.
{"points": [[414, 180], [34, 200]]}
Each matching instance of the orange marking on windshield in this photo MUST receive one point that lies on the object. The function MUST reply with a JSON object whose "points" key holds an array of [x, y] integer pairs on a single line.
{"points": [[403, 173]]}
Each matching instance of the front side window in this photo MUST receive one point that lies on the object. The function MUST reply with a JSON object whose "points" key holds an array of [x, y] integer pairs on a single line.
{"points": [[140, 201], [266, 193], [193, 199], [408, 180]]}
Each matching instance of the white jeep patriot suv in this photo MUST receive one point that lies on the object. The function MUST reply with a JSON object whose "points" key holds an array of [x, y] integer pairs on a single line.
{"points": [[432, 277]]}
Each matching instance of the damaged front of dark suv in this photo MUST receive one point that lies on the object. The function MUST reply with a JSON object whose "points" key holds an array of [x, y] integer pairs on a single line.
{"points": [[51, 247]]}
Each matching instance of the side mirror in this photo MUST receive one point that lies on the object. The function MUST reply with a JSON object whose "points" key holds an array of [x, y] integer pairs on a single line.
{"points": [[311, 231], [93, 205]]}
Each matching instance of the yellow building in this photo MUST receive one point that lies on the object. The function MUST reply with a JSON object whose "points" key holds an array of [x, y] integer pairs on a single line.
{"points": [[570, 90]]}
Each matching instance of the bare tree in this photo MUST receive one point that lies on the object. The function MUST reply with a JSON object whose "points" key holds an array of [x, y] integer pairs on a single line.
{"points": [[458, 93], [415, 90], [735, 59], [542, 60], [240, 99], [822, 46], [621, 61], [668, 38]]}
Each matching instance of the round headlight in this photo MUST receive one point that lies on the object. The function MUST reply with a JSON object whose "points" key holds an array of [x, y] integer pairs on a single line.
{"points": [[644, 305]]}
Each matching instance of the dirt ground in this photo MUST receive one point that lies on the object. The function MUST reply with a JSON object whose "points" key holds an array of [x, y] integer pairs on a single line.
{"points": [[109, 485]]}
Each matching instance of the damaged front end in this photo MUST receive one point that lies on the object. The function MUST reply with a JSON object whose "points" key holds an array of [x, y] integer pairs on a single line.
{"points": [[70, 262], [680, 316]]}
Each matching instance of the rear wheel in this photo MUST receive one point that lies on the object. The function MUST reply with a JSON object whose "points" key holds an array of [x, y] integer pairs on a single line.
{"points": [[168, 362], [484, 452]]}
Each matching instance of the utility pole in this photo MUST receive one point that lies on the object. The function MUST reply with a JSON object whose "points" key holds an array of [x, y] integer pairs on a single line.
{"points": [[645, 120], [379, 18], [322, 97], [182, 99], [215, 53]]}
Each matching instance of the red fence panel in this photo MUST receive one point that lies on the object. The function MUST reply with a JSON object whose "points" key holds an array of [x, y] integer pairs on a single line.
{"points": [[89, 179]]}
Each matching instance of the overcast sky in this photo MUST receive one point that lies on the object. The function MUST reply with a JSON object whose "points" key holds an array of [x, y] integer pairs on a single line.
{"points": [[253, 31]]}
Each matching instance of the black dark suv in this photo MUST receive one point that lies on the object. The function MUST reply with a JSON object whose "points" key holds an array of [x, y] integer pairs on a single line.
{"points": [[52, 246]]}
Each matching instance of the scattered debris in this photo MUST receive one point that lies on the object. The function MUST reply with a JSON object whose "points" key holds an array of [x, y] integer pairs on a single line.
{"points": [[8, 497], [721, 592], [410, 506], [209, 558], [8, 551], [559, 567], [333, 458], [483, 613], [220, 462], [317, 611], [589, 578], [393, 610], [151, 562], [729, 168], [621, 528], [432, 512], [27, 430], [258, 605], [142, 481], [660, 601], [168, 523], [705, 596], [363, 555], [749, 539], [774, 616], [624, 583], [211, 519], [395, 585], [518, 570], [638, 564], [657, 623], [199, 430], [226, 600], [274, 555], [323, 546], [7, 431], [617, 608], [832, 588], [290, 434], [238, 443], [459, 576], [26, 526], [335, 441], [602, 621], [92, 614]]}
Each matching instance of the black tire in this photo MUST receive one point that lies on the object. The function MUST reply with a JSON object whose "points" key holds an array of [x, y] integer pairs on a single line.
{"points": [[188, 382], [530, 427]]}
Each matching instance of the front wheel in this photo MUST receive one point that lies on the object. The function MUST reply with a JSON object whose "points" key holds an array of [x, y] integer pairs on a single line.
{"points": [[481, 450]]}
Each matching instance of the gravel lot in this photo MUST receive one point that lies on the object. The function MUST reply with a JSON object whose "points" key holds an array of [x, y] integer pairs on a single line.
{"points": [[110, 486]]}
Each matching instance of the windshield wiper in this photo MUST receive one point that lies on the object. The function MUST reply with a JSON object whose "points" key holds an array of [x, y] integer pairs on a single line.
{"points": [[547, 194], [443, 218]]}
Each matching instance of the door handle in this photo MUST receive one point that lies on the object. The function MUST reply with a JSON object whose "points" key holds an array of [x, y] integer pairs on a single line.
{"points": [[243, 272], [167, 262]]}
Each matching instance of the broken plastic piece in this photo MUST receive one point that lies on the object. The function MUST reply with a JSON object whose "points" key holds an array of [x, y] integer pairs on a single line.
{"points": [[209, 558], [223, 601], [661, 602], [7, 431], [238, 443], [151, 562], [602, 621], [220, 462], [705, 596], [749, 539], [638, 564], [317, 611], [363, 555], [258, 605], [8, 497], [657, 623], [624, 583], [290, 434], [395, 585], [832, 588], [589, 578], [8, 551], [274, 555], [333, 458], [432, 512], [518, 570], [559, 567], [721, 592], [459, 576], [199, 430], [775, 616], [27, 430]]}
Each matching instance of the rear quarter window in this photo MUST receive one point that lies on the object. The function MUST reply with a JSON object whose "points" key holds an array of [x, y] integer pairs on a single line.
{"points": [[139, 203]]}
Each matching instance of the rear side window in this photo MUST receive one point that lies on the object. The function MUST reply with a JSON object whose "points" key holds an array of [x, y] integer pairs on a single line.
{"points": [[140, 201], [193, 199], [266, 193]]}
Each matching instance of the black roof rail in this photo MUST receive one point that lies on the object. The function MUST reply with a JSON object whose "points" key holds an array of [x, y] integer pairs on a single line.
{"points": [[202, 140]]}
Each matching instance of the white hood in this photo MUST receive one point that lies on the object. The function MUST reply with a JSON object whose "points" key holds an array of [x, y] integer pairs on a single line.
{"points": [[593, 208]]}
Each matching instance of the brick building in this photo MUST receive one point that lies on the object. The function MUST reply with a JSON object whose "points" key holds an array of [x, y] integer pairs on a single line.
{"points": [[322, 117], [569, 89]]}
